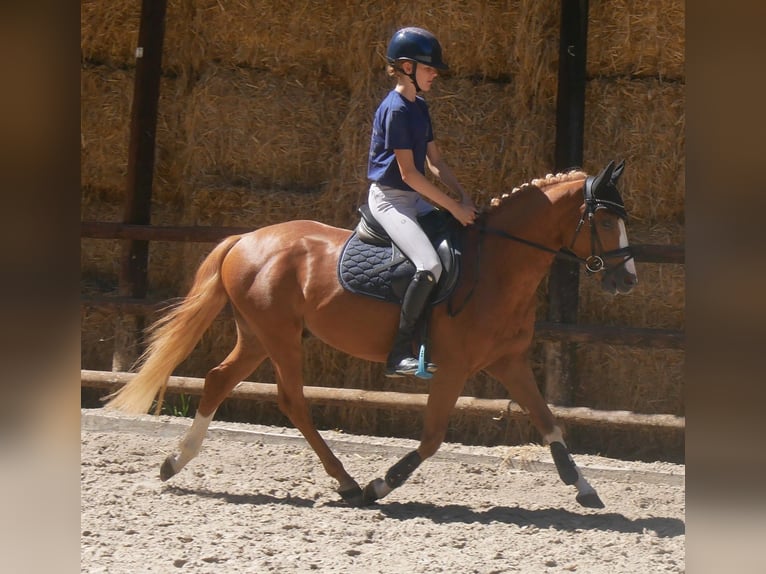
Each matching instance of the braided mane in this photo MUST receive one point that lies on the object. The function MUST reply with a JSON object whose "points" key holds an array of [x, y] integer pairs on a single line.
{"points": [[542, 183]]}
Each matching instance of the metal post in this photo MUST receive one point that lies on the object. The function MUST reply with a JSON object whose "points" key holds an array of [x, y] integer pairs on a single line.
{"points": [[563, 282], [138, 192]]}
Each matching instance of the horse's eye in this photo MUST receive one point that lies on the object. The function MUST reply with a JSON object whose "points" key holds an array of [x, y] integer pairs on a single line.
{"points": [[607, 224]]}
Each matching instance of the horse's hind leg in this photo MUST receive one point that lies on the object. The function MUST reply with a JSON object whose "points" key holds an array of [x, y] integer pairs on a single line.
{"points": [[516, 375], [286, 356], [219, 382]]}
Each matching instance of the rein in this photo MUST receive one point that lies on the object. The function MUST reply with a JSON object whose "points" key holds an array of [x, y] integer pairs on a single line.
{"points": [[558, 253]]}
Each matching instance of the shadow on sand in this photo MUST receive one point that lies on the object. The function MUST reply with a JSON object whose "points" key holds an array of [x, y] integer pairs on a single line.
{"points": [[555, 518]]}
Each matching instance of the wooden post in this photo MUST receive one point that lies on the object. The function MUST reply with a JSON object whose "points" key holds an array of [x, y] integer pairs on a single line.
{"points": [[138, 192], [563, 281]]}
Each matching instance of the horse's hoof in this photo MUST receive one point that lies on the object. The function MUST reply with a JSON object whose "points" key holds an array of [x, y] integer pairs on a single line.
{"points": [[375, 490], [166, 470], [352, 496], [590, 500], [369, 496]]}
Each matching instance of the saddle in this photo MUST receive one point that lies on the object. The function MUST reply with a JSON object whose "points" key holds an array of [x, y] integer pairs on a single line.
{"points": [[370, 264]]}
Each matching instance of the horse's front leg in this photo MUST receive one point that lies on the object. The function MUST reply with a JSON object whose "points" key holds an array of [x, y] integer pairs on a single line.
{"points": [[441, 400], [516, 375]]}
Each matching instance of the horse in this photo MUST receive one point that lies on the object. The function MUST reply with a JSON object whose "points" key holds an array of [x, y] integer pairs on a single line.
{"points": [[281, 281]]}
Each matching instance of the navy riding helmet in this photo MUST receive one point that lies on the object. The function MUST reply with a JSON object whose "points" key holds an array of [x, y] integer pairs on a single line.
{"points": [[416, 45]]}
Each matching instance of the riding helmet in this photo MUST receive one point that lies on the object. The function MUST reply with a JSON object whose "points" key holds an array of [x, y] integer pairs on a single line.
{"points": [[416, 45]]}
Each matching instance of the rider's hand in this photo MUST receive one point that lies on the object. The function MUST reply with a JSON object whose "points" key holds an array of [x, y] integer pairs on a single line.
{"points": [[468, 201], [465, 213]]}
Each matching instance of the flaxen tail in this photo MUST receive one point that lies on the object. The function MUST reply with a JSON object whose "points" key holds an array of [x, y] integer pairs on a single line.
{"points": [[173, 337]]}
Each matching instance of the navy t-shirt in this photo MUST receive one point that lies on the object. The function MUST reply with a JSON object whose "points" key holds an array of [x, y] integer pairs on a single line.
{"points": [[398, 124]]}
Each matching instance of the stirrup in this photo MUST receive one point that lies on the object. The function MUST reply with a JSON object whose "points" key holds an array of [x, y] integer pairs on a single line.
{"points": [[403, 367], [420, 368], [431, 368]]}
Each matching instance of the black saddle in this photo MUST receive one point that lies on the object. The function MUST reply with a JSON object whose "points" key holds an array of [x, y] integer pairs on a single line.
{"points": [[370, 264]]}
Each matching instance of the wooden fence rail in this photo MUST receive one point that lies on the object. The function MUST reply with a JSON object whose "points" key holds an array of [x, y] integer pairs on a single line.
{"points": [[399, 401], [110, 230]]}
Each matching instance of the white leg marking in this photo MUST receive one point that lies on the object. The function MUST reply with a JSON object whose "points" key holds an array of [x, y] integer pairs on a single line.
{"points": [[381, 488], [192, 441], [554, 436], [583, 486], [631, 264]]}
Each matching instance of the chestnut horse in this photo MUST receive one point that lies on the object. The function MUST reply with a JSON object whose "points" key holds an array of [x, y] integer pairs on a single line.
{"points": [[282, 279]]}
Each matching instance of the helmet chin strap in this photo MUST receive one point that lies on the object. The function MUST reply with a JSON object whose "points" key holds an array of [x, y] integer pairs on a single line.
{"points": [[413, 78], [411, 75]]}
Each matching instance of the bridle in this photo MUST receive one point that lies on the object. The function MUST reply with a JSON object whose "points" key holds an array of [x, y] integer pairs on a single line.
{"points": [[594, 263]]}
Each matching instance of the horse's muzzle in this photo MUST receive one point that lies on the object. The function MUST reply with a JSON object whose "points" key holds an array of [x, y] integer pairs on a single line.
{"points": [[618, 280]]}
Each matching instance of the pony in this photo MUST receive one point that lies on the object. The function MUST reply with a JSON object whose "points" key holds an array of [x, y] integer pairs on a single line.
{"points": [[281, 281]]}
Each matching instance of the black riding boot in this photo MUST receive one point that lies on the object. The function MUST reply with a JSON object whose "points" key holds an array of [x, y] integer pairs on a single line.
{"points": [[400, 360]]}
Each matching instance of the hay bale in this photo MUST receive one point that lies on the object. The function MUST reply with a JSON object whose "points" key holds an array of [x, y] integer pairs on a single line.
{"points": [[641, 121], [247, 207], [99, 258], [490, 135], [245, 127], [106, 97], [105, 100], [659, 299], [628, 37], [478, 38], [348, 38], [640, 379], [624, 378], [96, 339], [482, 39], [109, 33], [489, 40], [286, 38], [100, 263], [649, 445]]}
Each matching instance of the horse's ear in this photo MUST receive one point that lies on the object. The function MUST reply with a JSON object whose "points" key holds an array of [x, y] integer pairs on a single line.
{"points": [[604, 177], [618, 171]]}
